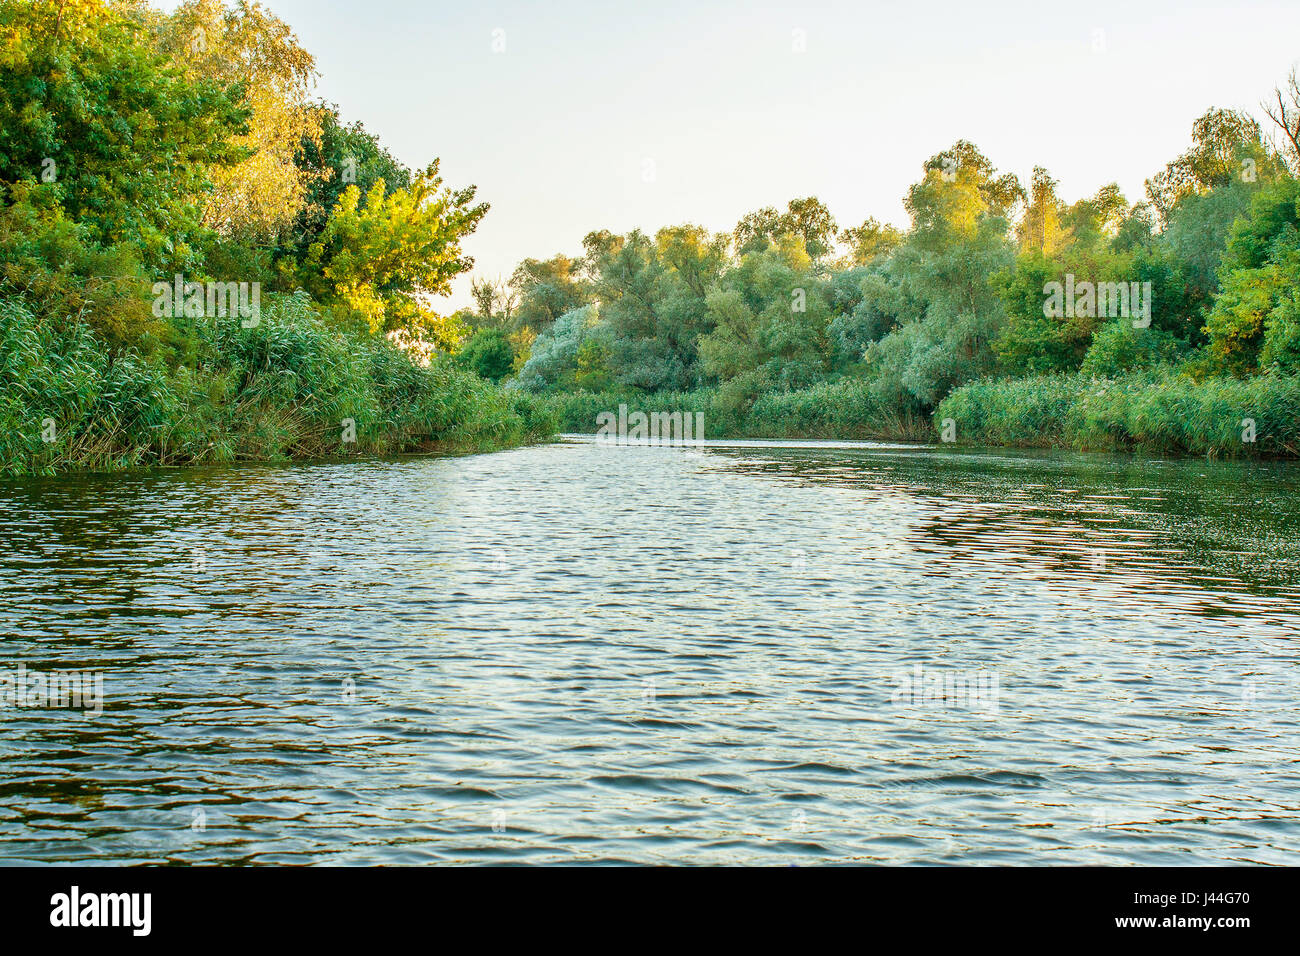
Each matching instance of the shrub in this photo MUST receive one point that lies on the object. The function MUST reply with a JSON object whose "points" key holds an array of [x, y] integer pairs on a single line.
{"points": [[1160, 410], [1118, 347], [488, 354]]}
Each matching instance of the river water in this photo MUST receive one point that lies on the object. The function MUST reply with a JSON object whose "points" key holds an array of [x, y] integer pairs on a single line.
{"points": [[765, 653]]}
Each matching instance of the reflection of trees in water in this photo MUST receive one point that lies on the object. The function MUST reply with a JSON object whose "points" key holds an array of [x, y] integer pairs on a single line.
{"points": [[130, 547], [1224, 526]]}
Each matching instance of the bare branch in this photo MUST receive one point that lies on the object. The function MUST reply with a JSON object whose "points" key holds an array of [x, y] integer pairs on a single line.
{"points": [[1286, 116]]}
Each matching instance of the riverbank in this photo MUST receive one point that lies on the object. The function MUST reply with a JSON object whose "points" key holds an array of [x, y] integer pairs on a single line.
{"points": [[290, 388], [1169, 414], [1159, 412], [202, 262], [841, 410]]}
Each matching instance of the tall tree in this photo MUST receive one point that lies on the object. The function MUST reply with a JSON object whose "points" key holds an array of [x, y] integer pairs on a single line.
{"points": [[961, 189], [1227, 145], [89, 107], [245, 46], [546, 289], [809, 219], [383, 255]]}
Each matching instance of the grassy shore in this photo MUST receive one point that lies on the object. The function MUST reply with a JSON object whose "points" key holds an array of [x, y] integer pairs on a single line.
{"points": [[289, 388], [1165, 413], [844, 410], [1160, 412]]}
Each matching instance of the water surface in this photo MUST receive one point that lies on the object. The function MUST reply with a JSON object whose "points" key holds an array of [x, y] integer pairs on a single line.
{"points": [[581, 652]]}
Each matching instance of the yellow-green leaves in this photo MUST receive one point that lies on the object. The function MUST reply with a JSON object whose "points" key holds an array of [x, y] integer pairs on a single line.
{"points": [[382, 255]]}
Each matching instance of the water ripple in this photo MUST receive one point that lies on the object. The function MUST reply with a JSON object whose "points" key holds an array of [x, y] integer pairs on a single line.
{"points": [[741, 652]]}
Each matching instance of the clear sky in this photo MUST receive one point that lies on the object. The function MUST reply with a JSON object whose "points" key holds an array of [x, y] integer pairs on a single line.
{"points": [[558, 130]]}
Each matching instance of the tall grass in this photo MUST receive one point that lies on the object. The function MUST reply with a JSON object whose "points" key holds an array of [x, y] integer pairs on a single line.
{"points": [[576, 411], [1160, 411], [849, 409], [288, 388], [65, 400], [1163, 411], [844, 409]]}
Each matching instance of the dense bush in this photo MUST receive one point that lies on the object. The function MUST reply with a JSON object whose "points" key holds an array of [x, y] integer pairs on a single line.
{"points": [[843, 409], [1159, 411], [554, 362], [288, 387], [488, 353], [1119, 347], [1259, 273], [128, 155]]}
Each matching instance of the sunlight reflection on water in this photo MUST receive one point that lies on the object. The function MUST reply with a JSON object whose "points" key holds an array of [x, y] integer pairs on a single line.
{"points": [[582, 652]]}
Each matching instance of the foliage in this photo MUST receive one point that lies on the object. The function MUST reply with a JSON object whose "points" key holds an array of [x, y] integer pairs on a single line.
{"points": [[1161, 411], [137, 146], [380, 256], [546, 290], [1259, 274], [339, 157], [90, 103], [843, 409], [245, 47], [1119, 347], [489, 354], [553, 362], [284, 388], [1227, 146], [64, 276], [778, 335], [769, 315], [807, 220]]}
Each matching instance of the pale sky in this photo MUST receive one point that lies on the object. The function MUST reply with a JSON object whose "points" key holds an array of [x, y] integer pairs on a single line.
{"points": [[559, 130]]}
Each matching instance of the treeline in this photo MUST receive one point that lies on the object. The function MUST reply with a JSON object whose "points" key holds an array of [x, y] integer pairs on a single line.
{"points": [[142, 152], [791, 325]]}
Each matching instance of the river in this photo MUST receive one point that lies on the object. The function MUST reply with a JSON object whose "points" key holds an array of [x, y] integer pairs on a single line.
{"points": [[721, 654]]}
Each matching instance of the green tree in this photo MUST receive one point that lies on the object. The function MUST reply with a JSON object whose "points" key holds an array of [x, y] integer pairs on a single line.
{"points": [[546, 289], [958, 242], [870, 241], [1041, 230], [494, 303], [1095, 221], [90, 104], [380, 256], [770, 316], [809, 219], [339, 157], [244, 46], [1227, 145], [489, 354], [1258, 275]]}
